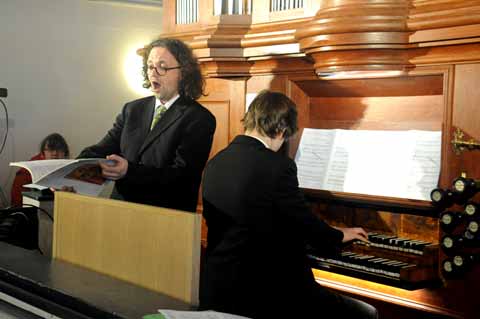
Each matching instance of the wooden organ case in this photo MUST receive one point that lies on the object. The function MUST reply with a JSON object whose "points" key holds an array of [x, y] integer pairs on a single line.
{"points": [[358, 65]]}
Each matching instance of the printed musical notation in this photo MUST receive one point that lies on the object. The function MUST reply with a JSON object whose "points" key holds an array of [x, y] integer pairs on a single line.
{"points": [[404, 164]]}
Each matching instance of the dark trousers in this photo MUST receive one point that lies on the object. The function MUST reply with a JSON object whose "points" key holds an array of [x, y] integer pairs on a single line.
{"points": [[353, 308], [322, 304]]}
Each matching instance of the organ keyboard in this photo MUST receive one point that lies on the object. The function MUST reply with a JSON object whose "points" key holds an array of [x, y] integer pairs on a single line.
{"points": [[387, 259]]}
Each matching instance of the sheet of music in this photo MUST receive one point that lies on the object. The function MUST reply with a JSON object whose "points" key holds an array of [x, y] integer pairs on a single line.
{"points": [[404, 164], [313, 157]]}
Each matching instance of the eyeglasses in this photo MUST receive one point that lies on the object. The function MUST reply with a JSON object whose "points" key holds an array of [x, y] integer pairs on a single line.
{"points": [[161, 70]]}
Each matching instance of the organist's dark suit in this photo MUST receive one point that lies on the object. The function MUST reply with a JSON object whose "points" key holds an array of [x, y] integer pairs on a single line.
{"points": [[258, 224], [166, 163]]}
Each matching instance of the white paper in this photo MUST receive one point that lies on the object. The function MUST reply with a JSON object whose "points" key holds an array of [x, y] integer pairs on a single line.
{"points": [[313, 156], [404, 164], [53, 173], [174, 314], [39, 169], [249, 97]]}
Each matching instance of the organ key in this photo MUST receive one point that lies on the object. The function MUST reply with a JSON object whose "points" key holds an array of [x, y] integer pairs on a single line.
{"points": [[396, 261]]}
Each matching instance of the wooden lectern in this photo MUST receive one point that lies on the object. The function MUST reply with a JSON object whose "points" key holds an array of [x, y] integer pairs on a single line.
{"points": [[156, 248]]}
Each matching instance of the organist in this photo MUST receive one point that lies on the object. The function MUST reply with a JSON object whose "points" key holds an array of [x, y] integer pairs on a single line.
{"points": [[258, 225]]}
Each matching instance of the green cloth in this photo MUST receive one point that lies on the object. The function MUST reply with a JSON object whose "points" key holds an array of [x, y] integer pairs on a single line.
{"points": [[154, 316]]}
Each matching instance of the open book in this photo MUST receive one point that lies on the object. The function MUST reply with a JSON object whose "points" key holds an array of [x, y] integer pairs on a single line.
{"points": [[403, 164], [84, 175]]}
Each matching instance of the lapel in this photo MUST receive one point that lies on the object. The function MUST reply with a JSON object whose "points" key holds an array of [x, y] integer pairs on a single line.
{"points": [[146, 118], [173, 114]]}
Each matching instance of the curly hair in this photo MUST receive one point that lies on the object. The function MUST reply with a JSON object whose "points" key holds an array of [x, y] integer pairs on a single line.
{"points": [[271, 113], [191, 83]]}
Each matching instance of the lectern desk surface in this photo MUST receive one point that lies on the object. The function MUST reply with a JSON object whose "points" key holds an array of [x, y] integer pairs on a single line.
{"points": [[69, 291]]}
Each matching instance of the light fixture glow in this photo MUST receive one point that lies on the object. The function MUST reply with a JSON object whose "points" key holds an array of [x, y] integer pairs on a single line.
{"points": [[132, 71], [359, 74]]}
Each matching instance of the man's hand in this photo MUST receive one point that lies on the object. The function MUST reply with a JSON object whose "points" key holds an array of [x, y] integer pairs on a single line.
{"points": [[352, 233], [115, 168], [69, 189]]}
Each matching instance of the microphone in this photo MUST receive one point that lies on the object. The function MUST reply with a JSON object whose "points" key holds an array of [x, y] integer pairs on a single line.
{"points": [[3, 92]]}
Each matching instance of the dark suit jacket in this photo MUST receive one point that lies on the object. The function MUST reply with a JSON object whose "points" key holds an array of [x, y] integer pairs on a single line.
{"points": [[165, 164], [258, 226]]}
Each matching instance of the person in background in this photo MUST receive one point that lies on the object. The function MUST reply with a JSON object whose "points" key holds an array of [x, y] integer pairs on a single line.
{"points": [[53, 146], [259, 225], [158, 145]]}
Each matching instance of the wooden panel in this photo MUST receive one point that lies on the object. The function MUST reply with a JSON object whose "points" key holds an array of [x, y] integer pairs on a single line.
{"points": [[216, 90], [419, 227], [466, 116], [302, 100], [429, 300], [156, 248], [378, 113], [467, 99], [399, 86], [237, 94], [226, 97], [264, 82], [221, 111], [403, 103], [401, 225], [440, 14]]}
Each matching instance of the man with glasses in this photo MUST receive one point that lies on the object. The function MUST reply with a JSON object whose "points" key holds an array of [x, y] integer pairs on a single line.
{"points": [[159, 145]]}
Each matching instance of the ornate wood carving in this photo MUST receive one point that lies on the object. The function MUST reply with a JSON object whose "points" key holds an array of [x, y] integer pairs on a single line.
{"points": [[343, 35], [381, 35]]}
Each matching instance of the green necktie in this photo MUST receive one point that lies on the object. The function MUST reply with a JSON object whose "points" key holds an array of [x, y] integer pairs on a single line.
{"points": [[158, 114]]}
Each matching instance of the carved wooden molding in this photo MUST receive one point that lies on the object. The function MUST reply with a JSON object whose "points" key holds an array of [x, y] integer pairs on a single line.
{"points": [[430, 14], [343, 35], [348, 35], [226, 68]]}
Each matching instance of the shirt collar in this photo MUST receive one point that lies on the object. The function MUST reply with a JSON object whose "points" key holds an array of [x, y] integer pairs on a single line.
{"points": [[259, 139], [168, 103]]}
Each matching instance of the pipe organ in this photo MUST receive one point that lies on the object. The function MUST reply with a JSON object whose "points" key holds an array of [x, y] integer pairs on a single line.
{"points": [[187, 11], [392, 65]]}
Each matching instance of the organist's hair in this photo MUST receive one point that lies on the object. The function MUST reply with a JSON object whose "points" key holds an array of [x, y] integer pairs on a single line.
{"points": [[271, 113]]}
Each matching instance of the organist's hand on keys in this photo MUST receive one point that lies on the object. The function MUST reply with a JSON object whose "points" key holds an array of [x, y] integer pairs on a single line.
{"points": [[353, 233]]}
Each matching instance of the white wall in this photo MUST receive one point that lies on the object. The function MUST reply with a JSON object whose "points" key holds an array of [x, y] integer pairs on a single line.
{"points": [[62, 62]]}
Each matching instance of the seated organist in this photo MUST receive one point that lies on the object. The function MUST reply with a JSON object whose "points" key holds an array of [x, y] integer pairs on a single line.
{"points": [[259, 225]]}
